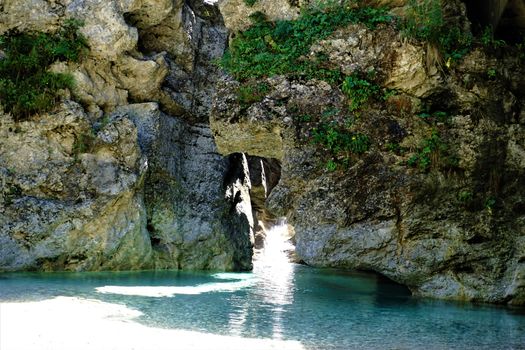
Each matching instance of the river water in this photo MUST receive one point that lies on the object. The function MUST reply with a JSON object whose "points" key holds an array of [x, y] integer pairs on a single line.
{"points": [[320, 309]]}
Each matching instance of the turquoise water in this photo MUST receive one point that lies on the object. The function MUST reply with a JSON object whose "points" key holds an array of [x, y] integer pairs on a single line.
{"points": [[323, 309]]}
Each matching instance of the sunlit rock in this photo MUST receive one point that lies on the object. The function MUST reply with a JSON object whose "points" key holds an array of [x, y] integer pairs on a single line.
{"points": [[70, 196]]}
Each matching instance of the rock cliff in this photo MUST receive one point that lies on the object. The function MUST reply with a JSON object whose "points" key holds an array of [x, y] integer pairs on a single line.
{"points": [[432, 195], [113, 183], [383, 152]]}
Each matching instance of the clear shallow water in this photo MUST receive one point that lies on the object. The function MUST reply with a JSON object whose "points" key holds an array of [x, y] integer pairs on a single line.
{"points": [[323, 309]]}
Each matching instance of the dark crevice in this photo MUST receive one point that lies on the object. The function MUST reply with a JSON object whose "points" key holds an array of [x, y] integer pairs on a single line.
{"points": [[508, 22], [478, 239], [265, 174]]}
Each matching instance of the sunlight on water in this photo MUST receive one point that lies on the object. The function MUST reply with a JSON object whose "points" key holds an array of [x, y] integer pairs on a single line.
{"points": [[274, 277], [85, 324], [280, 305], [166, 291]]}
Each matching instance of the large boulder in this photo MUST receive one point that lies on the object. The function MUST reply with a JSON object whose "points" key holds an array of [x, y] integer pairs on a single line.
{"points": [[71, 195]]}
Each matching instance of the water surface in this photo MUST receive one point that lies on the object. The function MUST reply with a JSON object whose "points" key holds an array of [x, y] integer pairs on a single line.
{"points": [[322, 309]]}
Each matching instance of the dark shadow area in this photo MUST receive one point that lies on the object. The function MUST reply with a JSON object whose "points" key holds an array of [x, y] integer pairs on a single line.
{"points": [[506, 18]]}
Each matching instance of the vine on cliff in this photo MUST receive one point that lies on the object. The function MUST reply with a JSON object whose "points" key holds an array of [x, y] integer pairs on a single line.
{"points": [[27, 86]]}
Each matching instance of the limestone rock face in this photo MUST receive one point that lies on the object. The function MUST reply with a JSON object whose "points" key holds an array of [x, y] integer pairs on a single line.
{"points": [[237, 13], [74, 198], [400, 63], [104, 27], [114, 70], [198, 203], [70, 196], [194, 38], [189, 219], [450, 229], [35, 15]]}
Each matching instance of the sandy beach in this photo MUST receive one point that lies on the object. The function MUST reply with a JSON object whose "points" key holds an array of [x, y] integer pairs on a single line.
{"points": [[77, 324]]}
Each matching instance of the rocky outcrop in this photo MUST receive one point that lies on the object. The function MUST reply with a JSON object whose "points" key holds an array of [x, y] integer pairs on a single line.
{"points": [[198, 205], [113, 185], [236, 13], [114, 72], [71, 194], [450, 227], [194, 38], [435, 201]]}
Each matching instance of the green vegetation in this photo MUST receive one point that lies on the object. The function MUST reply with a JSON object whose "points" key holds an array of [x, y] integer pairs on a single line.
{"points": [[358, 91], [427, 153], [490, 203], [491, 73], [276, 48], [26, 85], [433, 153], [425, 22], [251, 92], [465, 196], [488, 40], [435, 117], [250, 3], [394, 147], [340, 143], [281, 48]]}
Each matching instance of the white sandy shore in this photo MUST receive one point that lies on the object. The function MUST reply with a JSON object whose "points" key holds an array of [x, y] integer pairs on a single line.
{"points": [[78, 324]]}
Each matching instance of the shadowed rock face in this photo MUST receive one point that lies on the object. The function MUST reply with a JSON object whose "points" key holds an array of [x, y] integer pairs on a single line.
{"points": [[455, 230], [198, 204], [487, 12], [506, 17]]}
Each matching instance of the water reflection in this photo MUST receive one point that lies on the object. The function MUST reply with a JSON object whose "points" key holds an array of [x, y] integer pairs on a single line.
{"points": [[274, 276], [244, 281], [314, 308]]}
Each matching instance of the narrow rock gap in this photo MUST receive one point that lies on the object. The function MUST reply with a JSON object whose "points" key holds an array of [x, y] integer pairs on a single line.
{"points": [[265, 174]]}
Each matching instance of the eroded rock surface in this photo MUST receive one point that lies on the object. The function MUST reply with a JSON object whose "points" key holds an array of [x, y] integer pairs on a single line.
{"points": [[74, 198], [70, 195], [452, 228], [198, 203]]}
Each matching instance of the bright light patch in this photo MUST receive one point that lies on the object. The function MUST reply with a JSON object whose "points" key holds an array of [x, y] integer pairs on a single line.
{"points": [[169, 291], [72, 323], [233, 276]]}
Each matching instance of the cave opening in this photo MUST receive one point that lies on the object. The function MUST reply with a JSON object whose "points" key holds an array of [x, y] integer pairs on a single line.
{"points": [[505, 17], [273, 237]]}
